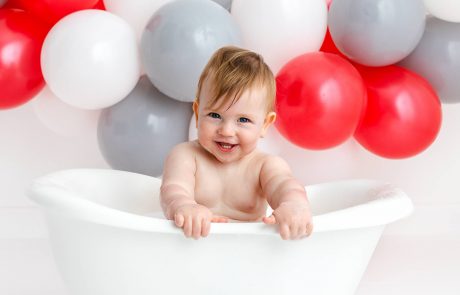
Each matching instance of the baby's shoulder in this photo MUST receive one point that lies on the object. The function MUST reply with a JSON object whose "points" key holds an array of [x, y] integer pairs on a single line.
{"points": [[181, 147], [187, 149], [261, 159], [270, 162], [264, 157], [183, 150]]}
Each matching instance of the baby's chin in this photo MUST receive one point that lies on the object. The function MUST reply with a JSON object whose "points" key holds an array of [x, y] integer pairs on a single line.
{"points": [[233, 158], [223, 160]]}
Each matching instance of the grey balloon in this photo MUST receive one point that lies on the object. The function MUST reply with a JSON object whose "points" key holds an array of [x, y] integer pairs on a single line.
{"points": [[178, 41], [437, 58], [227, 4], [2, 2], [376, 32], [137, 133]]}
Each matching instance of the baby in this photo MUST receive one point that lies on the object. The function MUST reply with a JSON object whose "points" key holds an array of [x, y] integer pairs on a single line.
{"points": [[222, 175]]}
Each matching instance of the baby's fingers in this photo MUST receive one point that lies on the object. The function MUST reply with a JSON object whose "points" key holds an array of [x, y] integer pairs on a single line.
{"points": [[179, 220], [306, 231], [309, 229], [205, 227], [296, 231], [285, 232], [269, 220], [219, 219], [188, 226], [196, 228]]}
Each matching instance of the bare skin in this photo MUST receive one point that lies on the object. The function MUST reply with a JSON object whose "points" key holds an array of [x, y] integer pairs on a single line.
{"points": [[223, 176]]}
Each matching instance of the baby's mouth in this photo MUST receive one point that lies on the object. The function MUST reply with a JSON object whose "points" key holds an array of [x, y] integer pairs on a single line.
{"points": [[225, 147]]}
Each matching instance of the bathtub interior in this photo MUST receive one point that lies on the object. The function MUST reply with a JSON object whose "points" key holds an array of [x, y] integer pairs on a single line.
{"points": [[139, 194], [120, 190]]}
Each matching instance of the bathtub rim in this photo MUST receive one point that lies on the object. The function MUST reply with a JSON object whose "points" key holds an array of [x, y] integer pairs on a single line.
{"points": [[48, 194]]}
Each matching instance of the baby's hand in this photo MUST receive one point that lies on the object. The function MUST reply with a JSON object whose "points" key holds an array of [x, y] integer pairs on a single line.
{"points": [[294, 220], [196, 220]]}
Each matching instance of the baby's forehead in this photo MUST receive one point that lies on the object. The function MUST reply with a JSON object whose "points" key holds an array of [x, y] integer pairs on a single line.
{"points": [[253, 98], [242, 105]]}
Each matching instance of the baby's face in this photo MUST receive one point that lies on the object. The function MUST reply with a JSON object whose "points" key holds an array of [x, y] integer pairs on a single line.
{"points": [[229, 134]]}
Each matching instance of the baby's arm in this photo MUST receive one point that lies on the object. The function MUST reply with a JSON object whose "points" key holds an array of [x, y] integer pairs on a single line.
{"points": [[177, 194], [288, 199]]}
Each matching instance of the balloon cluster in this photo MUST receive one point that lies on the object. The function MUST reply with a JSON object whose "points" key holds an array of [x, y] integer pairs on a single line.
{"points": [[374, 70], [406, 62]]}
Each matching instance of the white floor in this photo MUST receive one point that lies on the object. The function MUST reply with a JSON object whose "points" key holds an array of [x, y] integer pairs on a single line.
{"points": [[414, 265], [401, 265]]}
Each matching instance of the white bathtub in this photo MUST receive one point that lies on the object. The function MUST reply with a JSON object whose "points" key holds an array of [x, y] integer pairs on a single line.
{"points": [[104, 244]]}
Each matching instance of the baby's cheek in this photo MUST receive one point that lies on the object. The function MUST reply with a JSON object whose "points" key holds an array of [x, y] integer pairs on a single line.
{"points": [[249, 143], [250, 136], [204, 131]]}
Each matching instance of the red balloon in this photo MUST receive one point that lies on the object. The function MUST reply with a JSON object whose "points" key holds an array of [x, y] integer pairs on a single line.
{"points": [[52, 11], [403, 114], [329, 45], [21, 40], [320, 98], [99, 5]]}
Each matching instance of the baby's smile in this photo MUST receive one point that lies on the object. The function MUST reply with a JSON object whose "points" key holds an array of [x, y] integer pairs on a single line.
{"points": [[226, 147]]}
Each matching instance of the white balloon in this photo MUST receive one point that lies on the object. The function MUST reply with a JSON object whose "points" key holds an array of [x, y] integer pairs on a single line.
{"points": [[281, 29], [90, 59], [136, 12], [448, 10], [62, 118]]}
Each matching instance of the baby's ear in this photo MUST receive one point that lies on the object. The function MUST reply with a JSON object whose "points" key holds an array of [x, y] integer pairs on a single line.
{"points": [[270, 118], [195, 110]]}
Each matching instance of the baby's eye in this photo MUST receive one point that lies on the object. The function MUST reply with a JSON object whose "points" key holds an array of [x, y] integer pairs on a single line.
{"points": [[214, 115], [244, 120]]}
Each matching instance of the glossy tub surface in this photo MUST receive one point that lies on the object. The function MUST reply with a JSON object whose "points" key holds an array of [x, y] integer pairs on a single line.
{"points": [[105, 240]]}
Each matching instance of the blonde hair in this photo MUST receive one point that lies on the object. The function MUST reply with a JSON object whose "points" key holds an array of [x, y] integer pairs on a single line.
{"points": [[233, 70]]}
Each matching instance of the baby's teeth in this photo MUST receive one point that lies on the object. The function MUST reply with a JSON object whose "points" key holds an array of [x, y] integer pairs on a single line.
{"points": [[225, 146]]}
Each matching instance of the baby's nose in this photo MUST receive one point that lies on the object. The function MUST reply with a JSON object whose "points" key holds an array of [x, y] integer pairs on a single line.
{"points": [[226, 129]]}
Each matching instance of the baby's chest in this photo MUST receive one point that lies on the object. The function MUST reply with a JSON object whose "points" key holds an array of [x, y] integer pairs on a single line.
{"points": [[237, 191]]}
